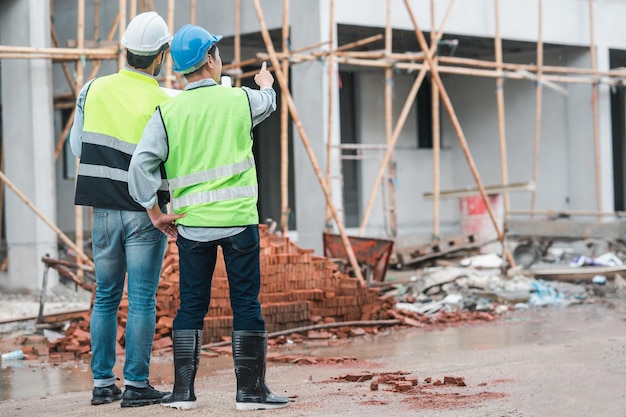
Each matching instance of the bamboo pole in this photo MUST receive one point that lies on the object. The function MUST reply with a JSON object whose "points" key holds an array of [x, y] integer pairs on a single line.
{"points": [[500, 103], [435, 126], [192, 11], [391, 171], [66, 129], [237, 63], [594, 103], [64, 67], [538, 105], [305, 141], [517, 75], [132, 12], [121, 59], [79, 84], [96, 21], [329, 123], [472, 62], [79, 252], [570, 213], [168, 59], [25, 52], [457, 127], [284, 129], [401, 119], [92, 75]]}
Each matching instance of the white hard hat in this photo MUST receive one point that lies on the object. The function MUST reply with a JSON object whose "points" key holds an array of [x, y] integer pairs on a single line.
{"points": [[146, 34]]}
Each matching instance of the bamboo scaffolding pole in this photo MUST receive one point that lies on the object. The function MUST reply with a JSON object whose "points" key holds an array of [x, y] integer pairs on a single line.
{"points": [[96, 20], [434, 36], [538, 105], [364, 54], [518, 75], [594, 103], [457, 127], [472, 62], [80, 28], [92, 75], [59, 54], [305, 141], [296, 54], [132, 12], [391, 171], [284, 129], [237, 63], [168, 58], [121, 59], [192, 11], [63, 135], [400, 123], [358, 43], [500, 106], [79, 252], [65, 68], [569, 213], [78, 85], [234, 70], [329, 107]]}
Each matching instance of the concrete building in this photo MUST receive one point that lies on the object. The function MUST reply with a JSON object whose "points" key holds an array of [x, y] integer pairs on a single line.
{"points": [[567, 164]]}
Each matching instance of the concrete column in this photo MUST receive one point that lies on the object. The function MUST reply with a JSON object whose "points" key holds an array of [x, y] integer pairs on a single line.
{"points": [[603, 42], [309, 86], [27, 131]]}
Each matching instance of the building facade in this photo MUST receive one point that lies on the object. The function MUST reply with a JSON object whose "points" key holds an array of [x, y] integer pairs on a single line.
{"points": [[568, 171]]}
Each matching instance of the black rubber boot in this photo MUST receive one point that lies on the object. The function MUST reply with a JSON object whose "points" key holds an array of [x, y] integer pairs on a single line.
{"points": [[249, 355], [187, 344]]}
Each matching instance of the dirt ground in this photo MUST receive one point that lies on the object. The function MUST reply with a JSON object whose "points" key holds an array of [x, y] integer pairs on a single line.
{"points": [[568, 361]]}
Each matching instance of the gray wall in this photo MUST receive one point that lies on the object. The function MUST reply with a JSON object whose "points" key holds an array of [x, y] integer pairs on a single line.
{"points": [[28, 144]]}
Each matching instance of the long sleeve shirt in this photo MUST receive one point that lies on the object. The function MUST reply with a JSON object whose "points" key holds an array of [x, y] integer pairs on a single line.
{"points": [[144, 176]]}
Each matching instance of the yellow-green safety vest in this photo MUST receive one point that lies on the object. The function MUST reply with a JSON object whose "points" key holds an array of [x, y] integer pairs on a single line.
{"points": [[210, 165], [117, 108]]}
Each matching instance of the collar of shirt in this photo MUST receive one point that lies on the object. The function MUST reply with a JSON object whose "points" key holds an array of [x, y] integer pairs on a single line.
{"points": [[206, 82]]}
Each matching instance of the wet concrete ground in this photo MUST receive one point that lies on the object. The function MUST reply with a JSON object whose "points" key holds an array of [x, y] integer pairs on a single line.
{"points": [[544, 362], [25, 379]]}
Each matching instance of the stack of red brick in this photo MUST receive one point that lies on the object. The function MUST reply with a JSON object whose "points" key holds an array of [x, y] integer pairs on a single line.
{"points": [[297, 289]]}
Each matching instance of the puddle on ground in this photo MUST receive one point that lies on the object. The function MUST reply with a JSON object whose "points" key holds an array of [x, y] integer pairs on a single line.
{"points": [[28, 379]]}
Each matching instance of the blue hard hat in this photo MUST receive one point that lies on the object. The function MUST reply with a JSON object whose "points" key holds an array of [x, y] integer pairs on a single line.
{"points": [[190, 46]]}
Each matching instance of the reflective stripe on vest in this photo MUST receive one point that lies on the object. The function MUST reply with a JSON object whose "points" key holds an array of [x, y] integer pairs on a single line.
{"points": [[116, 110], [210, 165], [114, 174]]}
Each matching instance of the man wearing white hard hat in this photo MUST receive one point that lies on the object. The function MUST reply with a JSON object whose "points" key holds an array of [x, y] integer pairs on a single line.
{"points": [[203, 136], [111, 113]]}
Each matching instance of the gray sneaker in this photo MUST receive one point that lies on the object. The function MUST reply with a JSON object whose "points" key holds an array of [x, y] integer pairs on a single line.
{"points": [[138, 397], [106, 395]]}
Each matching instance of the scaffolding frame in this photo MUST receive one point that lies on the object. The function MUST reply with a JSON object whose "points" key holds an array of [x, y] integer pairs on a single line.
{"points": [[427, 61]]}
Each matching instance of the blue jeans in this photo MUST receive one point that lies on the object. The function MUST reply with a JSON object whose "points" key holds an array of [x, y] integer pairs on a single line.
{"points": [[197, 263], [124, 241]]}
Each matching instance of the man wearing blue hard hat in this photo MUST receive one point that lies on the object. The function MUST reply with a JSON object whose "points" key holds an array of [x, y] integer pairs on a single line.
{"points": [[203, 137]]}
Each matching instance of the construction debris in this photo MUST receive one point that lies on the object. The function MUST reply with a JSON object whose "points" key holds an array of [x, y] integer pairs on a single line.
{"points": [[308, 300]]}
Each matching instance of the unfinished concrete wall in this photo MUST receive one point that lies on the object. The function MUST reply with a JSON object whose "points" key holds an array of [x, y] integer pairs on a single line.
{"points": [[28, 143], [566, 178]]}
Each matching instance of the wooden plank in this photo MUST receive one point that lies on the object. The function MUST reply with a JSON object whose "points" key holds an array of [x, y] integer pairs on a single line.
{"points": [[414, 255], [50, 318], [585, 273], [566, 229], [489, 189]]}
